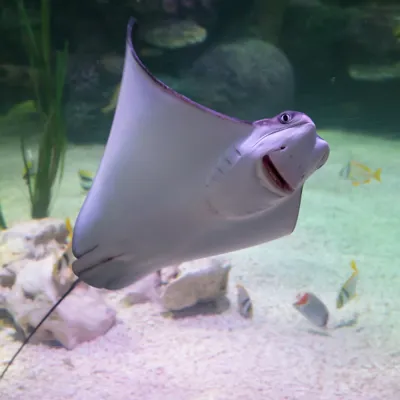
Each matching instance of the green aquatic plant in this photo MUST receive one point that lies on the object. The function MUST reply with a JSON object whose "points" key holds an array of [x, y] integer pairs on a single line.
{"points": [[18, 111], [48, 80], [3, 224]]}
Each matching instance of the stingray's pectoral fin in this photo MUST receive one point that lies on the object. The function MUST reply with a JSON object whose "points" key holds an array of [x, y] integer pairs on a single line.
{"points": [[101, 267]]}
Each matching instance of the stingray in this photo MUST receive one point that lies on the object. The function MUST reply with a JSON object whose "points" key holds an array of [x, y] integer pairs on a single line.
{"points": [[179, 182]]}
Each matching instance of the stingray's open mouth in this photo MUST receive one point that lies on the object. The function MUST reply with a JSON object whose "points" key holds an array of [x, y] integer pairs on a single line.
{"points": [[274, 176]]}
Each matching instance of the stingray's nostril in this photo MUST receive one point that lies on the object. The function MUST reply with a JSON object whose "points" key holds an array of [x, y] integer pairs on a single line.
{"points": [[282, 147]]}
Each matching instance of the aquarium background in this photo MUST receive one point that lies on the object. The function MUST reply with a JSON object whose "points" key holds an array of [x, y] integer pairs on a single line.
{"points": [[336, 60]]}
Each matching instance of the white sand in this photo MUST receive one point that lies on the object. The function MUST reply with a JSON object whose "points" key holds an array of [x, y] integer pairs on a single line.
{"points": [[274, 356]]}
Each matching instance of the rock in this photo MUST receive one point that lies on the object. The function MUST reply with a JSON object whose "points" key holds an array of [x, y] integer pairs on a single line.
{"points": [[37, 232], [213, 307], [249, 79], [167, 274], [143, 291], [173, 34], [148, 288], [9, 269], [206, 284], [83, 315], [28, 240]]}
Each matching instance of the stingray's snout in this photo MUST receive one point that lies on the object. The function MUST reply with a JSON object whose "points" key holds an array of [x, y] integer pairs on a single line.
{"points": [[321, 152], [300, 153], [267, 167]]}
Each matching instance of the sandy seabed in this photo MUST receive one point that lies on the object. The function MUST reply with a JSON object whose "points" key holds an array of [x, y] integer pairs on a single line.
{"points": [[277, 355]]}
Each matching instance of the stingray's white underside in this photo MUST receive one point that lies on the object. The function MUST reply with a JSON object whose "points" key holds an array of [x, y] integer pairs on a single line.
{"points": [[151, 203]]}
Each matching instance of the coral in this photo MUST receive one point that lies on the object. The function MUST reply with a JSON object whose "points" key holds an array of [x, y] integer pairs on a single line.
{"points": [[248, 79], [173, 34]]}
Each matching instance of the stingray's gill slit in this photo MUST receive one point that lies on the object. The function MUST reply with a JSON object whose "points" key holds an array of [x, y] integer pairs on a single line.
{"points": [[41, 322]]}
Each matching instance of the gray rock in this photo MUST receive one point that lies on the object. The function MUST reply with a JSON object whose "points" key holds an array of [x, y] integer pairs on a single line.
{"points": [[149, 288], [37, 231], [205, 284], [31, 240], [30, 285], [248, 79]]}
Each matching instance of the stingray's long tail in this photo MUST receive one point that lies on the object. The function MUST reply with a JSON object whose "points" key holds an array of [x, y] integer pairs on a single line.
{"points": [[28, 338]]}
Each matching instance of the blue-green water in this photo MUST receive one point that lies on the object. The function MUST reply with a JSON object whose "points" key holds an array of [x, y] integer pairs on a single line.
{"points": [[337, 64]]}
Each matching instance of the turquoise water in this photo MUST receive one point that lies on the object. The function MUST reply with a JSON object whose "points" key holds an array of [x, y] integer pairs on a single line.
{"points": [[344, 81]]}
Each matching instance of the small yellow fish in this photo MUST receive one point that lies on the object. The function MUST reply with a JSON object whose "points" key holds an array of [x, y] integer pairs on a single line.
{"points": [[70, 230], [63, 275], [348, 290], [312, 308], [64, 261], [359, 173], [244, 303], [86, 179], [113, 102]]}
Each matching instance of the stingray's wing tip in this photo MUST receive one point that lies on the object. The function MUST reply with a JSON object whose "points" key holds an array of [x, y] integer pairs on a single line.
{"points": [[131, 25], [130, 34]]}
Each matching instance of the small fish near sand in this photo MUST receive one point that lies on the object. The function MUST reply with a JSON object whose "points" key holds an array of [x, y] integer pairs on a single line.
{"points": [[312, 308], [348, 290], [86, 179], [70, 229], [244, 303], [359, 173], [62, 273], [64, 261]]}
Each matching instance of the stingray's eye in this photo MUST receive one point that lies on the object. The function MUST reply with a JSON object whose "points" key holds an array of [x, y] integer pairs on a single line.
{"points": [[285, 118]]}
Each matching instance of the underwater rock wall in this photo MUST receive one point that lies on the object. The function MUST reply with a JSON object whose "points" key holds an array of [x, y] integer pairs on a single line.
{"points": [[339, 51]]}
